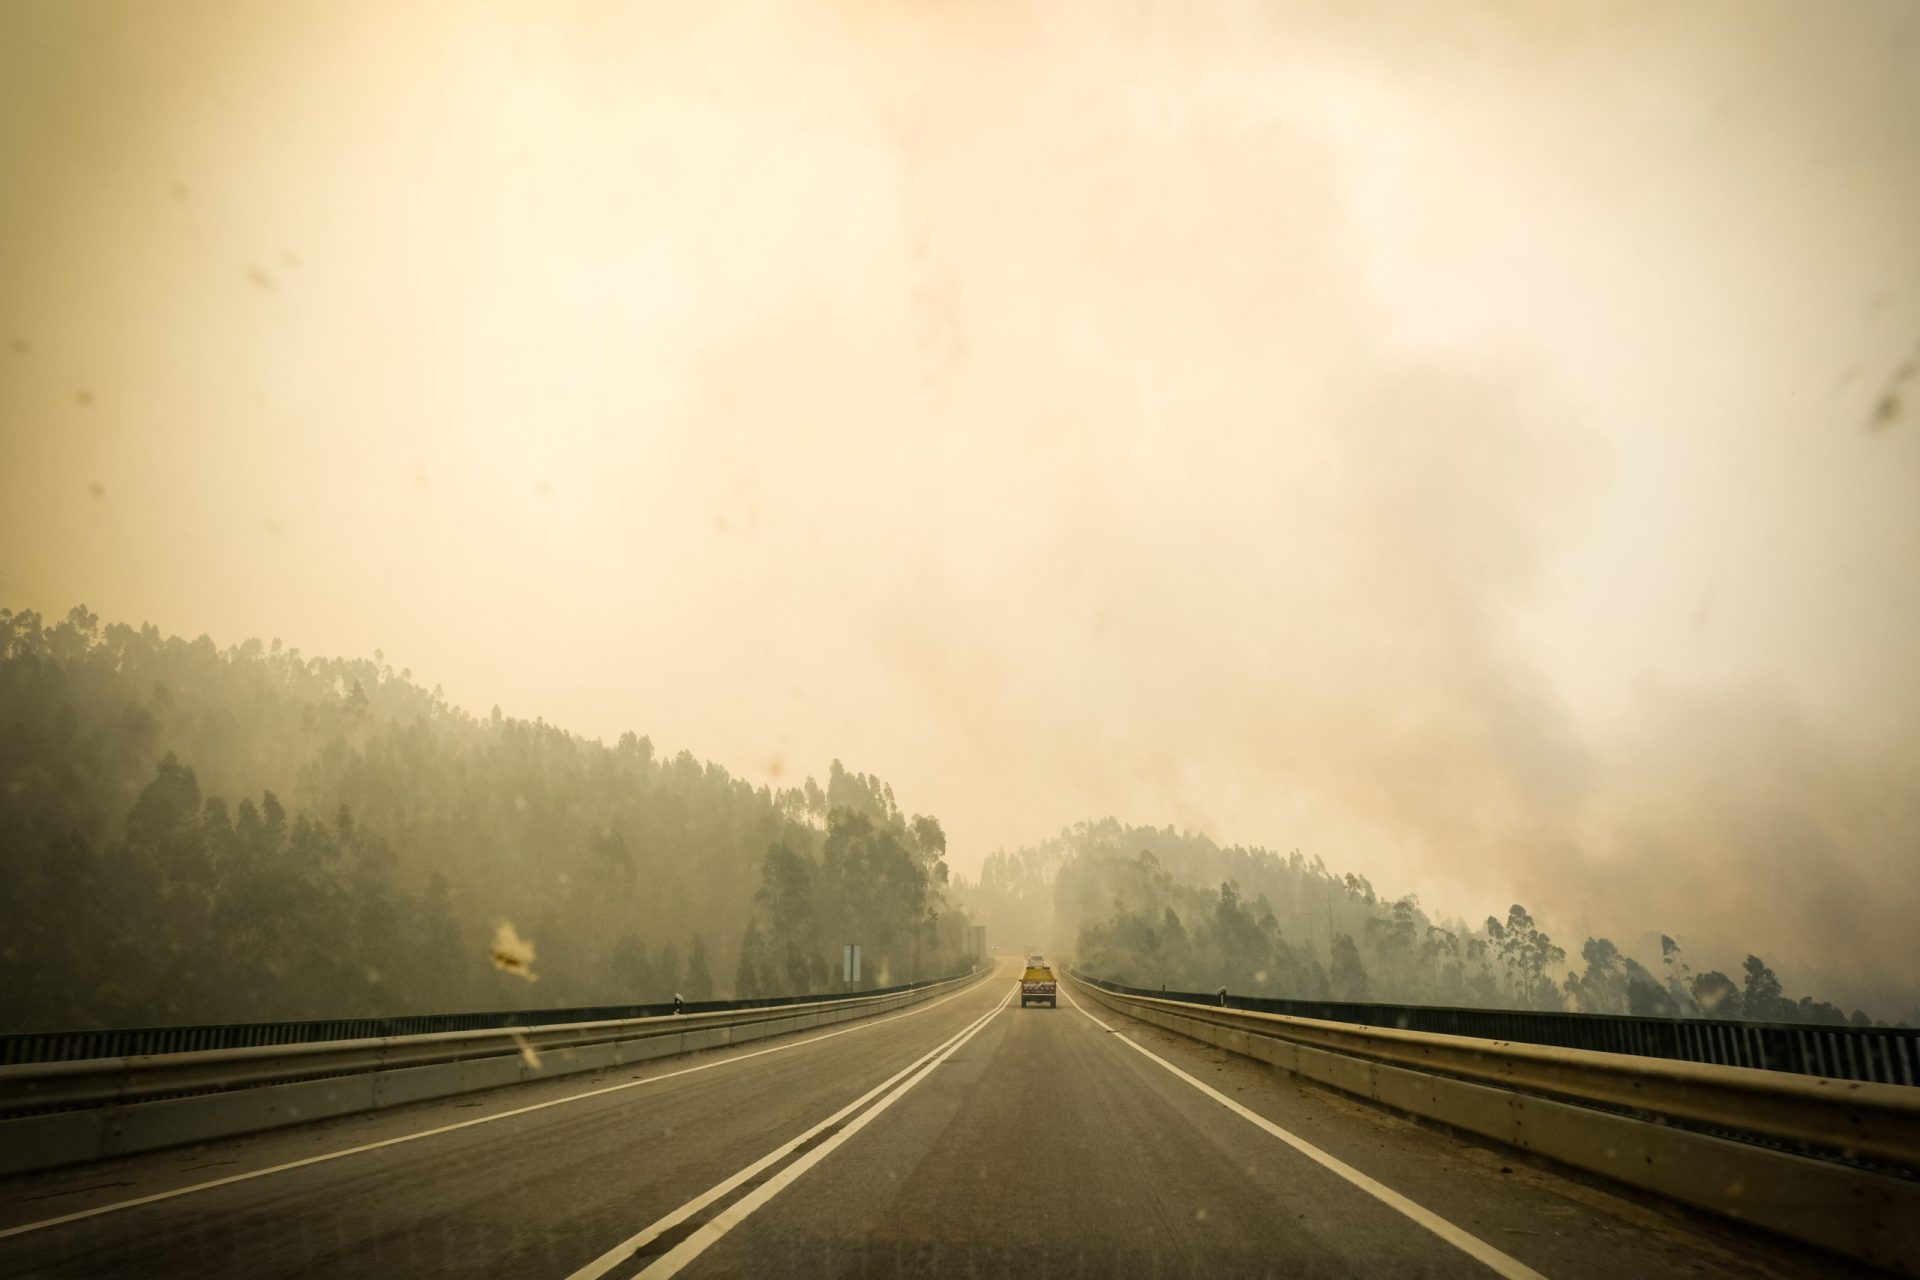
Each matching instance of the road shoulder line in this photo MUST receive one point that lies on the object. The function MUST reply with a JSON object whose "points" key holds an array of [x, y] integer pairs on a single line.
{"points": [[1500, 1263]]}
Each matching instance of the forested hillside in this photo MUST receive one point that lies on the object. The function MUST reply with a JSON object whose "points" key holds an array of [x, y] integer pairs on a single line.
{"points": [[192, 833], [1152, 907]]}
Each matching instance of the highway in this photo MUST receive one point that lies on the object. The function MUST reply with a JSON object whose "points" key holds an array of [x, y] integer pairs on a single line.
{"points": [[962, 1137]]}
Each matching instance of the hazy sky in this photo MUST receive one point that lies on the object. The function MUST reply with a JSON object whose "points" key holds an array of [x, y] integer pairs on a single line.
{"points": [[1475, 443]]}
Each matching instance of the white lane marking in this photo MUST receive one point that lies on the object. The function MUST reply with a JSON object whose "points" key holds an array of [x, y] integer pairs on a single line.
{"points": [[79, 1214], [711, 1232], [1472, 1245]]}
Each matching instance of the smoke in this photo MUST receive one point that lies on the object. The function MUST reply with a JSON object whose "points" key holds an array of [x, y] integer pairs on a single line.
{"points": [[1428, 438], [1758, 825]]}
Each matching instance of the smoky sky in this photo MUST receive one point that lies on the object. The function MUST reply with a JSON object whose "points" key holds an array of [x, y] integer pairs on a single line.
{"points": [[1475, 444]]}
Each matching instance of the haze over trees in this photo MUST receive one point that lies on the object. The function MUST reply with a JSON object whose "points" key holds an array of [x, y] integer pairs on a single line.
{"points": [[1154, 907], [196, 834]]}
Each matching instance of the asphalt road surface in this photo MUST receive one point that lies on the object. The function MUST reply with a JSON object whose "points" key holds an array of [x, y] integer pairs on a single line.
{"points": [[962, 1137]]}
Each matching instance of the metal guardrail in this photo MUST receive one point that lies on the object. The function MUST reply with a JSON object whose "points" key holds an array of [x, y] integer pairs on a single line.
{"points": [[1660, 1125], [1883, 1055], [78, 1110], [127, 1042], [114, 1080], [1850, 1120]]}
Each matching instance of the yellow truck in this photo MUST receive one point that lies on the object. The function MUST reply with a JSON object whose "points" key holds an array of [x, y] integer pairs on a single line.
{"points": [[1037, 985]]}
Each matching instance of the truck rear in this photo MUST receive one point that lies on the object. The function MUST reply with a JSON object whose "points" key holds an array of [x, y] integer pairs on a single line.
{"points": [[1037, 985]]}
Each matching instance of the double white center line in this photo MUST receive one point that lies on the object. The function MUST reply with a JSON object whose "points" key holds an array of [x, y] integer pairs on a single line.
{"points": [[649, 1247]]}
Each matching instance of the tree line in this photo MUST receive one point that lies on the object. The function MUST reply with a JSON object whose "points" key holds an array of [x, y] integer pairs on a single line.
{"points": [[1159, 908], [196, 834]]}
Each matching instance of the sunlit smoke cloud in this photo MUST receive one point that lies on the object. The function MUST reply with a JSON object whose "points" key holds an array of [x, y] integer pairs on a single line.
{"points": [[1431, 438]]}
